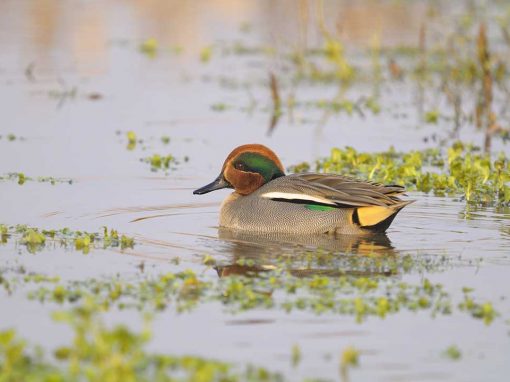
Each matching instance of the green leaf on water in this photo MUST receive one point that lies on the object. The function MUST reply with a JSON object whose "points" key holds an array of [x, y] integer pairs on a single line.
{"points": [[453, 353]]}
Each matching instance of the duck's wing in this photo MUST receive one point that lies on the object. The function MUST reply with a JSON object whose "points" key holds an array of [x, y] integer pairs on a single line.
{"points": [[334, 190], [373, 205]]}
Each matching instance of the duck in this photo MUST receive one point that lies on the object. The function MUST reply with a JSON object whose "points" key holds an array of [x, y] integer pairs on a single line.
{"points": [[266, 200]]}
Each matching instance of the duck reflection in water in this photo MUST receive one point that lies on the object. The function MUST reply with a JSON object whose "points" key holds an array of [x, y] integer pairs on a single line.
{"points": [[303, 255]]}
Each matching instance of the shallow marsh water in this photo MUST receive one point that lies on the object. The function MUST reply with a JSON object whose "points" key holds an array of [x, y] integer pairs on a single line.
{"points": [[50, 48]]}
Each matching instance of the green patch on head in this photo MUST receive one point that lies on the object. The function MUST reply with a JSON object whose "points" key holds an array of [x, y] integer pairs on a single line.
{"points": [[254, 162]]}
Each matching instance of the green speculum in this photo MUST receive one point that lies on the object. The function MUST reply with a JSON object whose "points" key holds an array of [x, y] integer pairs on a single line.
{"points": [[318, 207]]}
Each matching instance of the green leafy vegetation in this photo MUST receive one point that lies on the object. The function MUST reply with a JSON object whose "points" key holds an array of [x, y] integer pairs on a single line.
{"points": [[460, 75], [463, 170], [11, 137], [483, 311], [295, 355], [350, 357], [348, 360], [131, 137], [461, 85], [158, 162], [21, 179], [317, 282], [163, 162], [100, 353], [206, 54], [35, 239], [149, 47], [357, 296], [219, 106], [453, 353]]}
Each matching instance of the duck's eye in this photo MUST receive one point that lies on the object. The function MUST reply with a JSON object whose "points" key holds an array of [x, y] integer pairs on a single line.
{"points": [[240, 166]]}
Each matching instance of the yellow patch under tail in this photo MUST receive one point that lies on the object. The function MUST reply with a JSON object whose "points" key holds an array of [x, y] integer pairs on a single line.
{"points": [[370, 216]]}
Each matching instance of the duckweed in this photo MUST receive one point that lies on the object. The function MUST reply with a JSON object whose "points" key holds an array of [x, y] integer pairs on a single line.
{"points": [[462, 170]]}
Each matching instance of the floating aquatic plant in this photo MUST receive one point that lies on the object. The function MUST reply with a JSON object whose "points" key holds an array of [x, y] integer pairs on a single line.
{"points": [[350, 357], [206, 54], [158, 162], [463, 68], [102, 353], [21, 179], [462, 170], [220, 106], [11, 137], [149, 47], [453, 353], [295, 355], [163, 162], [35, 239], [484, 311], [131, 137], [359, 297]]}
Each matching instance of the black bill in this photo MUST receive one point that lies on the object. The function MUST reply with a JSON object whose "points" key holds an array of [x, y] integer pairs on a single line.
{"points": [[217, 184]]}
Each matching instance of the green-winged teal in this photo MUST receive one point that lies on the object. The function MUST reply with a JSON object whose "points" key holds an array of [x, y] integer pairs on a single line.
{"points": [[267, 200]]}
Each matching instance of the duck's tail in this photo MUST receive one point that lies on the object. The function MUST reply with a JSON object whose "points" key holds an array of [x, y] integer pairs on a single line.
{"points": [[377, 219]]}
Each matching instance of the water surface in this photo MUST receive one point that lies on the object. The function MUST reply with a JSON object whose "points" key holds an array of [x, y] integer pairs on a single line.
{"points": [[87, 81]]}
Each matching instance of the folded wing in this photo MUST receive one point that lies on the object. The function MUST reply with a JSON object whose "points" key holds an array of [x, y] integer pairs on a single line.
{"points": [[372, 203]]}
